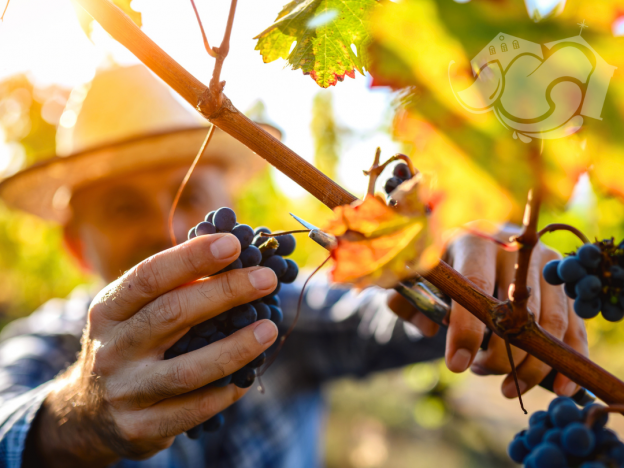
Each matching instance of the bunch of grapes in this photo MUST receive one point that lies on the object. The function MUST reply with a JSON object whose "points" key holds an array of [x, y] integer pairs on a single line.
{"points": [[400, 174], [256, 249], [594, 278], [567, 437]]}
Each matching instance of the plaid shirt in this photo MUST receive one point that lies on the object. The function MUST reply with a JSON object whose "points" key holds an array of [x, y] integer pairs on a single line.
{"points": [[339, 333]]}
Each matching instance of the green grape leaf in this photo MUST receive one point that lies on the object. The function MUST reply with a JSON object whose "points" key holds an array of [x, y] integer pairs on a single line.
{"points": [[324, 31]]}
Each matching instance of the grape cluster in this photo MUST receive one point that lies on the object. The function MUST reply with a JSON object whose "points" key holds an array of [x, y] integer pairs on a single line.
{"points": [[562, 437], [256, 249], [400, 174], [594, 278]]}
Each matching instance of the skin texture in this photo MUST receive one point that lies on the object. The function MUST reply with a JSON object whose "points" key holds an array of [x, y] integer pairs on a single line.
{"points": [[121, 399]]}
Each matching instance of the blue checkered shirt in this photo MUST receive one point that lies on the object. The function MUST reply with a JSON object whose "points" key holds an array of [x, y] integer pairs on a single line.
{"points": [[340, 333]]}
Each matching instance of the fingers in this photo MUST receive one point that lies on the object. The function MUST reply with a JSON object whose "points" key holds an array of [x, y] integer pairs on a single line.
{"points": [[576, 337], [188, 372], [402, 307], [201, 256], [157, 326]]}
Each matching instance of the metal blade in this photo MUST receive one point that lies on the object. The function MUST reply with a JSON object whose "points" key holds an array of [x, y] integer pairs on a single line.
{"points": [[305, 223]]}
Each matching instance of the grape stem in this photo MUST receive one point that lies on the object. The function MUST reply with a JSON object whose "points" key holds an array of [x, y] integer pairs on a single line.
{"points": [[271, 244], [564, 227], [376, 169], [597, 411], [174, 205], [275, 234]]}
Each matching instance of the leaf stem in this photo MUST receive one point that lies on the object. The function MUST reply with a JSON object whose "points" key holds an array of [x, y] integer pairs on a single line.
{"points": [[564, 227], [201, 27], [184, 182]]}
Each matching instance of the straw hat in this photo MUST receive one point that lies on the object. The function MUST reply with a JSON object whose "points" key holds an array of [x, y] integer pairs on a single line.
{"points": [[126, 120]]}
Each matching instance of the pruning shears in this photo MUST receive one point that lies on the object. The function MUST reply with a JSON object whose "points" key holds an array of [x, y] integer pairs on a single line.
{"points": [[436, 306]]}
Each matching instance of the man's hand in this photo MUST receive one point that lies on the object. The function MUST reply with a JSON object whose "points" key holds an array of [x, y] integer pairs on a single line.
{"points": [[490, 267], [121, 399]]}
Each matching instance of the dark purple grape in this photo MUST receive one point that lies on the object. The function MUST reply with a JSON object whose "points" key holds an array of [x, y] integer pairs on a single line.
{"points": [[588, 288], [194, 432], [222, 382], [589, 255], [547, 455], [215, 423], [587, 309], [210, 217], [570, 269], [251, 256], [262, 229], [291, 272], [612, 312], [600, 422], [181, 345], [235, 265], [565, 413], [205, 329], [570, 290], [244, 378], [244, 234], [191, 233], [262, 310], [578, 440], [259, 240], [276, 314], [402, 171], [277, 264], [287, 244], [204, 228], [225, 219], [538, 417], [243, 315], [517, 450], [272, 300], [267, 253], [391, 184], [216, 337], [277, 288], [258, 361], [550, 273], [197, 343], [553, 436], [534, 435]]}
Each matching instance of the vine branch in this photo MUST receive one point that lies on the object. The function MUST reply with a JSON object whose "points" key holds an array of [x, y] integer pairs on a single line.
{"points": [[530, 337], [211, 52]]}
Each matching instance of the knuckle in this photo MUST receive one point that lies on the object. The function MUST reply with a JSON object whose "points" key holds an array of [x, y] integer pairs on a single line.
{"points": [[192, 261], [145, 278], [183, 377], [228, 288], [170, 309]]}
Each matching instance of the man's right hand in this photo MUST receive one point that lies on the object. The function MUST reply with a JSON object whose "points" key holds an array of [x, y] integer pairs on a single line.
{"points": [[121, 399]]}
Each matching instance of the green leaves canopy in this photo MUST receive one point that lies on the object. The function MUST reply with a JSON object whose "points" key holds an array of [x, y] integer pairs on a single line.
{"points": [[324, 31]]}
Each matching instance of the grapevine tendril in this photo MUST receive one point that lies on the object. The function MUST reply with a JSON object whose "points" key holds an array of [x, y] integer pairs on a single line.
{"points": [[513, 371]]}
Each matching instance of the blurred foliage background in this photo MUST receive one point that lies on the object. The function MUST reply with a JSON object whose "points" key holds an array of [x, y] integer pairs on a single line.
{"points": [[420, 416]]}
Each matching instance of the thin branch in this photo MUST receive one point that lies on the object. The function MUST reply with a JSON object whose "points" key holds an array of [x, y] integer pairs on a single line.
{"points": [[376, 169], [184, 182], [276, 234], [201, 27], [216, 86], [564, 227]]}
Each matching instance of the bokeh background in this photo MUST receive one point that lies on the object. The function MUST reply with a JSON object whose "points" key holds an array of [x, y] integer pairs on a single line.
{"points": [[419, 416]]}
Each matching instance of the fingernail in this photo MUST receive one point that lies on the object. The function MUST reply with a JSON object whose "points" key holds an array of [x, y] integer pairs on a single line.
{"points": [[478, 369], [224, 247], [569, 389], [510, 390], [265, 332], [262, 278], [460, 360]]}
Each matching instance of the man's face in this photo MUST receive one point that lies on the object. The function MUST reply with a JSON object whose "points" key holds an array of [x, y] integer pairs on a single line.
{"points": [[118, 223]]}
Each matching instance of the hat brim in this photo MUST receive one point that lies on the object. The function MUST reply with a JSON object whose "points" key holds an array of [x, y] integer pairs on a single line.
{"points": [[43, 188]]}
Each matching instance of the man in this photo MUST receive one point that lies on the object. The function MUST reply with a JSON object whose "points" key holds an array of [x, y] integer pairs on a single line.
{"points": [[120, 401]]}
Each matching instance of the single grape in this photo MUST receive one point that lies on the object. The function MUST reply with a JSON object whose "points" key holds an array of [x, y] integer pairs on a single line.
{"points": [[262, 229], [577, 440], [605, 437], [564, 414], [599, 422], [291, 272], [587, 309], [210, 217], [266, 253], [588, 288], [205, 329], [402, 171], [197, 343], [391, 184], [262, 310], [235, 265], [589, 255], [277, 264], [272, 300], [276, 314], [570, 269], [547, 455], [214, 424], [194, 432], [244, 377], [259, 239], [222, 382], [612, 313], [550, 273], [553, 436], [191, 233], [225, 219], [244, 234], [251, 256], [170, 354], [181, 345], [538, 417], [216, 337], [534, 435], [287, 244], [557, 401], [204, 228], [570, 290], [258, 361], [243, 315], [517, 450]]}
